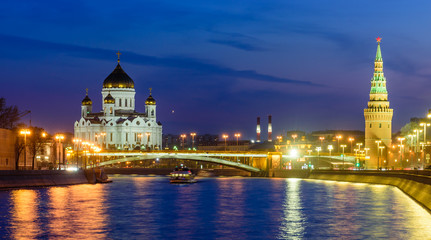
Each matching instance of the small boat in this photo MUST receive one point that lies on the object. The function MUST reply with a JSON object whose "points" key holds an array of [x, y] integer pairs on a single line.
{"points": [[182, 175]]}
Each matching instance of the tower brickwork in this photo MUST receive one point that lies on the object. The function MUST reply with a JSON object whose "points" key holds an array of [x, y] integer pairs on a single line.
{"points": [[378, 117]]}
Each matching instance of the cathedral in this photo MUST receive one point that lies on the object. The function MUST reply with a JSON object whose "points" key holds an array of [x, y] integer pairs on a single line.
{"points": [[118, 126]]}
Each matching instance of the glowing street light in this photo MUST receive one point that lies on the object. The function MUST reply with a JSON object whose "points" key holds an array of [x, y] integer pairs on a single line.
{"points": [[318, 149], [280, 139], [381, 148], [330, 149], [225, 136], [237, 135], [338, 142], [25, 132], [343, 146], [378, 155], [401, 139], [351, 140], [294, 136], [59, 138], [425, 125], [321, 141], [193, 134], [183, 136], [359, 146]]}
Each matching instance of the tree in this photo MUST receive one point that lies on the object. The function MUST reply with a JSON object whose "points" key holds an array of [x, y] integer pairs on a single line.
{"points": [[35, 143], [9, 115]]}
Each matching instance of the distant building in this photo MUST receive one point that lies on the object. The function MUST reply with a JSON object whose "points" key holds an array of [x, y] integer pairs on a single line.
{"points": [[118, 125], [378, 116], [7, 149]]}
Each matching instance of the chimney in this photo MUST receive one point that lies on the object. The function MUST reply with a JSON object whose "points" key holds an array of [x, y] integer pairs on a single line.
{"points": [[258, 130], [269, 128]]}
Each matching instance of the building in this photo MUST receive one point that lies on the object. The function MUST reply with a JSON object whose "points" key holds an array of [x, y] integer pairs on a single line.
{"points": [[378, 117], [7, 149], [118, 125]]}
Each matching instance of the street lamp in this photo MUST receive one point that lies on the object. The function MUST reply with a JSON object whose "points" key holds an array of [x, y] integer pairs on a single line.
{"points": [[294, 136], [321, 141], [25, 132], [237, 135], [401, 139], [280, 139], [425, 125], [381, 148], [378, 155], [330, 149], [193, 134], [183, 136], [359, 146], [225, 136], [338, 142], [417, 131], [318, 149], [351, 140], [343, 146], [59, 138]]}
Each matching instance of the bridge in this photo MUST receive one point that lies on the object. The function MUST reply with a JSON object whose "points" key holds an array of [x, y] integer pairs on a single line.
{"points": [[248, 161]]}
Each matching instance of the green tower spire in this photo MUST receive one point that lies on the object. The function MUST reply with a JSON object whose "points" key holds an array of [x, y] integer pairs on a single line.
{"points": [[378, 82]]}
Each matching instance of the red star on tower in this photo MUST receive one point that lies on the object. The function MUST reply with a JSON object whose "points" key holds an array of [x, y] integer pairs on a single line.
{"points": [[379, 39]]}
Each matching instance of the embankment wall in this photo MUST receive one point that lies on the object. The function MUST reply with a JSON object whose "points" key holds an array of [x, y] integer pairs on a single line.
{"points": [[40, 178], [417, 187]]}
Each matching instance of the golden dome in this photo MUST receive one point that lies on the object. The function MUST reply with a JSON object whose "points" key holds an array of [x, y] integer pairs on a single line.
{"points": [[150, 101], [118, 79], [109, 99]]}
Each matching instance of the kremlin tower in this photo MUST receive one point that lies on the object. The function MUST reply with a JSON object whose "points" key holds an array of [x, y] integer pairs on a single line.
{"points": [[378, 117]]}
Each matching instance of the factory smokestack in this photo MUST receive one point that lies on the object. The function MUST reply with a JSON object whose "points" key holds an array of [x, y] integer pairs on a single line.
{"points": [[258, 130], [269, 128]]}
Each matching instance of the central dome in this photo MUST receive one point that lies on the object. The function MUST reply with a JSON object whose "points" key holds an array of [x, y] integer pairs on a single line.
{"points": [[118, 79]]}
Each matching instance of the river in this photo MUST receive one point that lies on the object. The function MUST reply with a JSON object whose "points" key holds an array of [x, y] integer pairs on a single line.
{"points": [[138, 207]]}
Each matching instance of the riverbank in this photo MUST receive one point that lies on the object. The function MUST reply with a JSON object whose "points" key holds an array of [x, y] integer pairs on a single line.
{"points": [[416, 184], [40, 178]]}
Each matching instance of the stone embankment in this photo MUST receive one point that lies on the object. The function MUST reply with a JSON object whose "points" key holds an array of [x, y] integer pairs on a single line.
{"points": [[40, 178], [416, 184]]}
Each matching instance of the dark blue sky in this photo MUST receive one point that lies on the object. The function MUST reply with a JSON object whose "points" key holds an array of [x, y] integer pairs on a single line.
{"points": [[218, 64]]}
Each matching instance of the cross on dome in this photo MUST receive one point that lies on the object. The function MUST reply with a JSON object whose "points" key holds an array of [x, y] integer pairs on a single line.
{"points": [[118, 54]]}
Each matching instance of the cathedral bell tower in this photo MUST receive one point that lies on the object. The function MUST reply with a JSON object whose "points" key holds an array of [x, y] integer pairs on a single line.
{"points": [[150, 106], [86, 105], [378, 118]]}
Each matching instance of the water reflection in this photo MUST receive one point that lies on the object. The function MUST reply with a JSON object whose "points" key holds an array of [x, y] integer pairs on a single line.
{"points": [[215, 208], [230, 208], [292, 226], [24, 214]]}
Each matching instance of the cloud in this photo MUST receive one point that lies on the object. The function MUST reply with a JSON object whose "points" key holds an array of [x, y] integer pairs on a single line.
{"points": [[13, 45], [237, 44]]}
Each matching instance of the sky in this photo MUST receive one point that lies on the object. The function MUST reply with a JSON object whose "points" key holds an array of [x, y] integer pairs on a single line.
{"points": [[214, 66]]}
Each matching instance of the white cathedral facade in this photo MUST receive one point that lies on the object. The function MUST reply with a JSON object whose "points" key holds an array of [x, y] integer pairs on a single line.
{"points": [[118, 126]]}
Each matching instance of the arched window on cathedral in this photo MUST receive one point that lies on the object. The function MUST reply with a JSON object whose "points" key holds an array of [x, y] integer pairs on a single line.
{"points": [[126, 102], [120, 102], [152, 112], [110, 110], [380, 125], [370, 125]]}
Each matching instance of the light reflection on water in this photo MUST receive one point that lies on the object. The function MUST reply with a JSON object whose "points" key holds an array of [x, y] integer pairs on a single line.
{"points": [[214, 208]]}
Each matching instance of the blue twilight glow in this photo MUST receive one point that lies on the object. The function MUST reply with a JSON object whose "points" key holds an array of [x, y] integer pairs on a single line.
{"points": [[308, 63]]}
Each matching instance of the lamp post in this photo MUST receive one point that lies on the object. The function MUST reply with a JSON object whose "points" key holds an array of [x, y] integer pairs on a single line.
{"points": [[359, 146], [378, 153], [338, 142], [148, 140], [381, 148], [401, 139], [294, 136], [183, 136], [330, 147], [280, 139], [225, 136], [417, 131], [25, 132], [425, 125], [351, 140], [321, 141], [193, 134], [59, 138], [318, 149], [343, 146], [237, 135]]}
